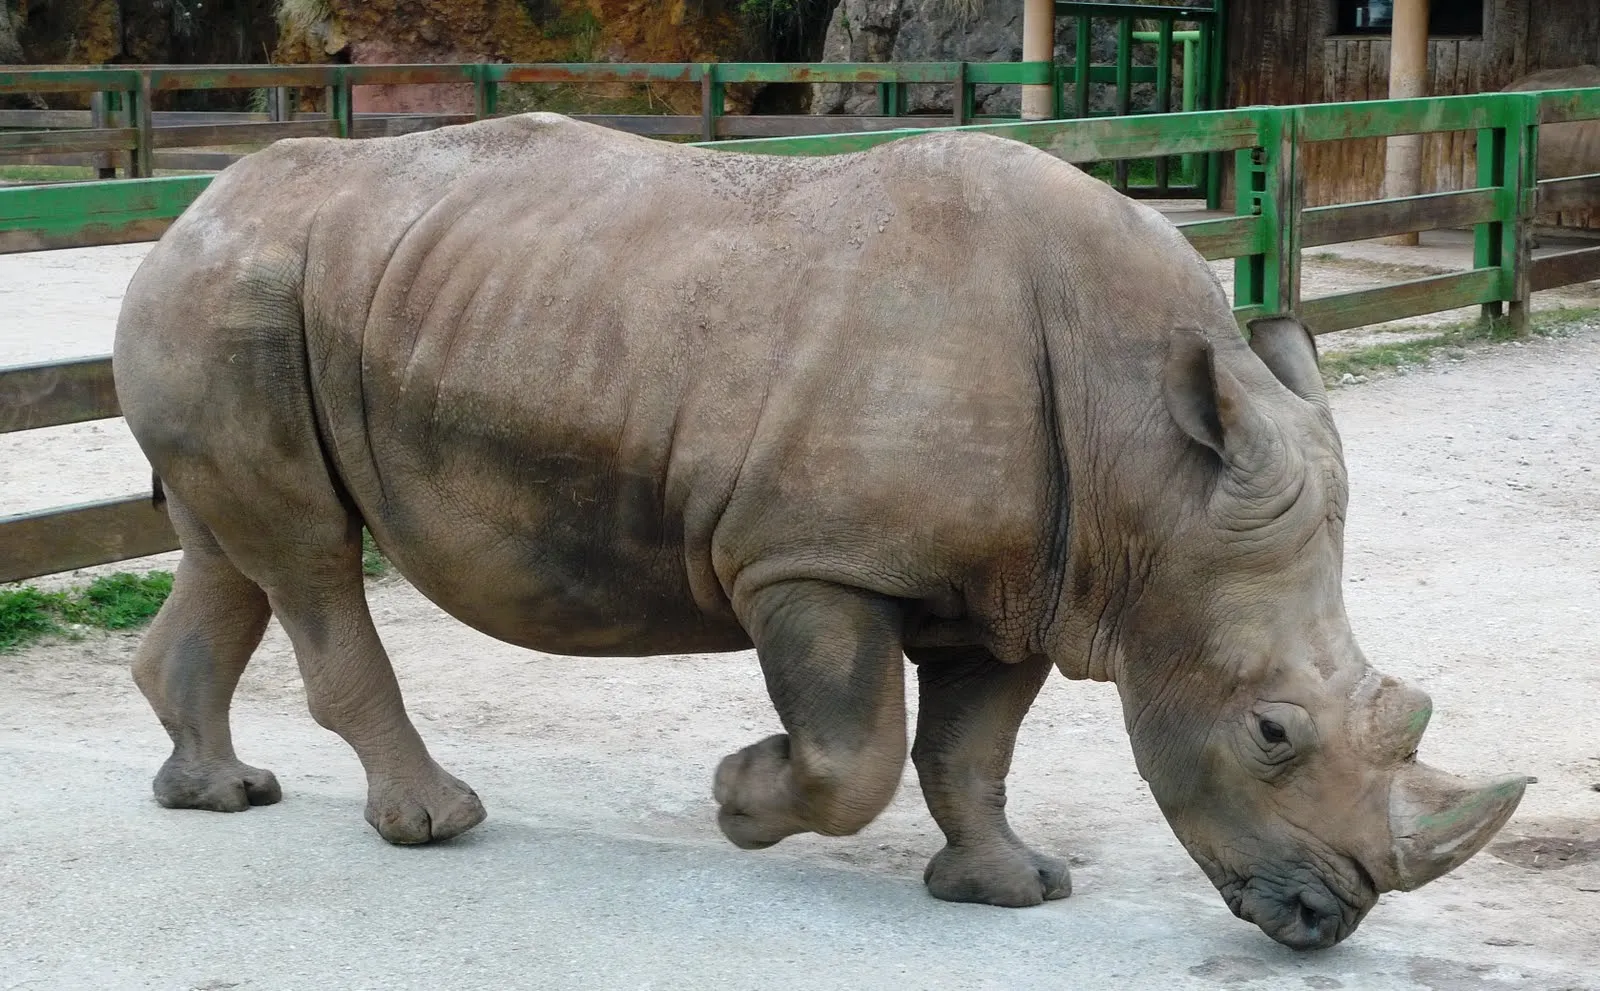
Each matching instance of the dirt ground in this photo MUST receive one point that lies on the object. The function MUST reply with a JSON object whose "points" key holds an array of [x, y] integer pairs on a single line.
{"points": [[1473, 566]]}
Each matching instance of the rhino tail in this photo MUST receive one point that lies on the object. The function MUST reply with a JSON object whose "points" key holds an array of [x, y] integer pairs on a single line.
{"points": [[158, 495]]}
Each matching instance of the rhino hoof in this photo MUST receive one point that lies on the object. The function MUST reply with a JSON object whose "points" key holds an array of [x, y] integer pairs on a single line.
{"points": [[423, 811], [220, 786], [1011, 876]]}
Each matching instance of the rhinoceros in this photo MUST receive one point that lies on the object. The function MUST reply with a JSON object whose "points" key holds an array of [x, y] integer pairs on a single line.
{"points": [[948, 400], [1569, 148]]}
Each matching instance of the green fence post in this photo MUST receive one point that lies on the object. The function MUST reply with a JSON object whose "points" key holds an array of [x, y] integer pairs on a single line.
{"points": [[1080, 67], [100, 116], [1163, 91], [1502, 151], [485, 91], [711, 101], [339, 103], [144, 124], [961, 96], [1124, 87], [1191, 162], [1268, 180], [1522, 174], [1213, 55]]}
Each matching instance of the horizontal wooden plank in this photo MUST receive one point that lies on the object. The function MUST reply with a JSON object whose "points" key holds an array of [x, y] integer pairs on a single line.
{"points": [[194, 161], [263, 133], [30, 119], [1565, 269], [73, 80], [169, 78], [1379, 118], [1229, 237], [1561, 105], [1077, 141], [410, 75], [594, 72], [776, 125], [1570, 195], [84, 214], [1381, 218], [840, 72], [389, 127], [13, 143], [651, 125], [54, 393], [71, 537], [1326, 314]]}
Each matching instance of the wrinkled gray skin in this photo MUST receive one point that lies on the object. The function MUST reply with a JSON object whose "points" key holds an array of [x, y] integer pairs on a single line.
{"points": [[949, 399], [1570, 148]]}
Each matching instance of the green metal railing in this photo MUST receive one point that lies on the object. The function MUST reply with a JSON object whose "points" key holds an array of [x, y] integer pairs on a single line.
{"points": [[1265, 237], [1201, 80]]}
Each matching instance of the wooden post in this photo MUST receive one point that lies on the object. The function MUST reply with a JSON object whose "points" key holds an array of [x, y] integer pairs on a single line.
{"points": [[1408, 79], [1039, 45]]}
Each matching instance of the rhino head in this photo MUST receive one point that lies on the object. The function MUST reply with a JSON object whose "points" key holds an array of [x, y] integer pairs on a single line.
{"points": [[1284, 763]]}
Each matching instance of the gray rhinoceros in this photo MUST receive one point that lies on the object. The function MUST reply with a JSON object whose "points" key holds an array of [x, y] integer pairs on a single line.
{"points": [[948, 399], [1569, 148]]}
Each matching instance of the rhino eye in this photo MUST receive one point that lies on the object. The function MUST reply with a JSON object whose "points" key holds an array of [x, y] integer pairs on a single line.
{"points": [[1272, 732]]}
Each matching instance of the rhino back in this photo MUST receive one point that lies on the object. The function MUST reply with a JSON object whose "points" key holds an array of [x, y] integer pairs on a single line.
{"points": [[583, 386]]}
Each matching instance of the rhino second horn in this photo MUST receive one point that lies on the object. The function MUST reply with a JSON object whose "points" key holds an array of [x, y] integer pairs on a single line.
{"points": [[1438, 821]]}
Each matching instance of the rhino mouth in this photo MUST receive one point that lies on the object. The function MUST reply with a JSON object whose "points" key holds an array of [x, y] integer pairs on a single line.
{"points": [[1300, 908]]}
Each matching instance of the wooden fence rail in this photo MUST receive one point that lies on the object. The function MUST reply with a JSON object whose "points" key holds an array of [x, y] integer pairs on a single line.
{"points": [[1265, 237], [123, 131]]}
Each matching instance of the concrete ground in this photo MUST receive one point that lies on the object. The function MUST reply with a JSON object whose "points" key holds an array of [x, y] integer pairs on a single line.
{"points": [[1473, 566]]}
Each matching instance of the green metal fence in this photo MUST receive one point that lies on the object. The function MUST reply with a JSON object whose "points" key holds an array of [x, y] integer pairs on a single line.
{"points": [[1265, 236], [1200, 76]]}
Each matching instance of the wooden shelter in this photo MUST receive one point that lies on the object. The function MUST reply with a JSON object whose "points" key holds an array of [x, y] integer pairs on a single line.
{"points": [[1325, 51]]}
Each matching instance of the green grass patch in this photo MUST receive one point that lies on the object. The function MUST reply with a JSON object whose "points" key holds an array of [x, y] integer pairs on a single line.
{"points": [[373, 563], [120, 601], [1449, 341], [1141, 172], [114, 602], [45, 173]]}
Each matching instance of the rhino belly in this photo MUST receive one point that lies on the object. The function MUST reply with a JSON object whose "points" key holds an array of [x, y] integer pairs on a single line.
{"points": [[555, 556]]}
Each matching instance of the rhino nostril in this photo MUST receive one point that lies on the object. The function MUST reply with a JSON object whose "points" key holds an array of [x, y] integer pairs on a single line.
{"points": [[1309, 919]]}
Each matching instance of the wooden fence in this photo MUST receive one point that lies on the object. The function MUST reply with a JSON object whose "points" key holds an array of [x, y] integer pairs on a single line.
{"points": [[1265, 236]]}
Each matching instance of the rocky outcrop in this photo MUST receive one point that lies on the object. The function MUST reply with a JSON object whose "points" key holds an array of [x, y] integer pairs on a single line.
{"points": [[10, 47], [947, 31]]}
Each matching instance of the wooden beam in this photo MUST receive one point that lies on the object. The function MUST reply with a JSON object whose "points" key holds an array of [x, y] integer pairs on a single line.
{"points": [[1408, 79], [63, 539], [54, 393], [1038, 45]]}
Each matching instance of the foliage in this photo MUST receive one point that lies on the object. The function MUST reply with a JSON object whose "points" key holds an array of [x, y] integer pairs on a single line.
{"points": [[1448, 343], [114, 602], [373, 563]]}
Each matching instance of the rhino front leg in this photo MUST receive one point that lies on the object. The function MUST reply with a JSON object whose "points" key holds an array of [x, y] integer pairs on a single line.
{"points": [[833, 666], [970, 708]]}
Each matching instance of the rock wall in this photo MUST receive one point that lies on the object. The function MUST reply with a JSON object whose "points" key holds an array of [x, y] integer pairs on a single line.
{"points": [[950, 31]]}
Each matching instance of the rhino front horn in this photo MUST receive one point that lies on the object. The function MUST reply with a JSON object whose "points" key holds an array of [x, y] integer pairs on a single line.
{"points": [[1438, 821]]}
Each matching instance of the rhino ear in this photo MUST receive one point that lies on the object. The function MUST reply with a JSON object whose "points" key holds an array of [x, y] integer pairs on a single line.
{"points": [[1204, 398], [1290, 352]]}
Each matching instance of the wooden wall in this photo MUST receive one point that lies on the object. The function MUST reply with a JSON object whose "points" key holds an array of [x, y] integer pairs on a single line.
{"points": [[1283, 51]]}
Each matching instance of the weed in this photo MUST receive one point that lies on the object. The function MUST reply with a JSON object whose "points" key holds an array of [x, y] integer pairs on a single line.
{"points": [[373, 563], [114, 602], [1447, 341]]}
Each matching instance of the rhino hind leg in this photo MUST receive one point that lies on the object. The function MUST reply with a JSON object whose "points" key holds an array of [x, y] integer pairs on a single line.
{"points": [[970, 708], [351, 689], [832, 661], [188, 666]]}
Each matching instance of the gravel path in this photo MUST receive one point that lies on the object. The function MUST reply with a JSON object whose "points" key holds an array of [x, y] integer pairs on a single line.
{"points": [[1473, 564]]}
